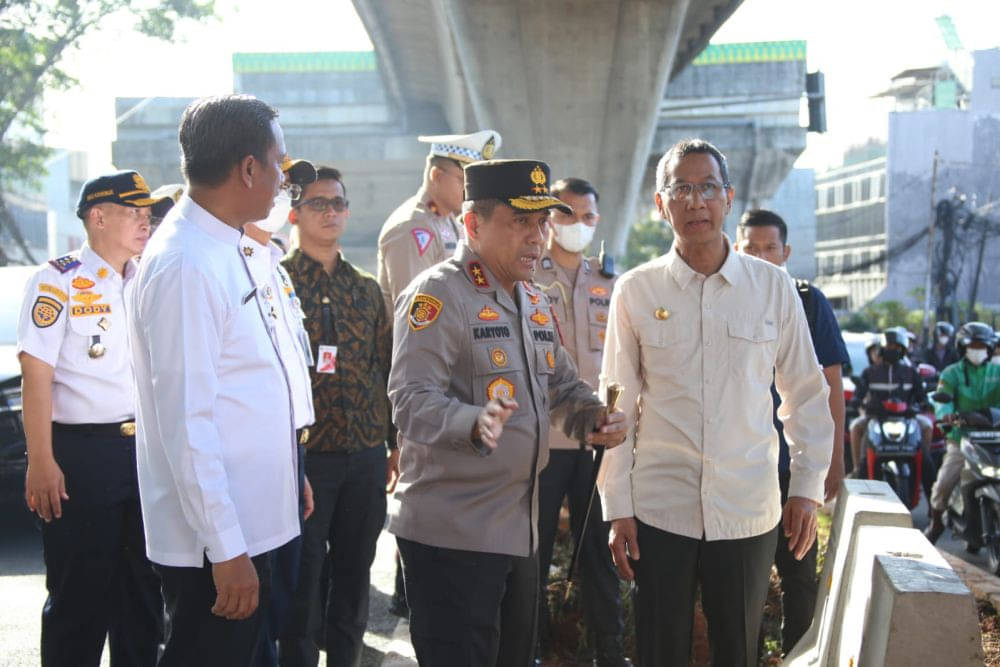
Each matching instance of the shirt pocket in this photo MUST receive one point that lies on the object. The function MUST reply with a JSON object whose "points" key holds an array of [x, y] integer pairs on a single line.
{"points": [[499, 371], [752, 349], [85, 329], [663, 342]]}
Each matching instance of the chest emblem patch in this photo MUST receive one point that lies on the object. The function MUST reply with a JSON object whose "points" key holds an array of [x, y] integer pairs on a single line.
{"points": [[498, 357], [550, 358], [488, 314], [539, 318], [424, 309], [599, 291], [500, 388], [82, 283], [423, 238], [86, 298]]}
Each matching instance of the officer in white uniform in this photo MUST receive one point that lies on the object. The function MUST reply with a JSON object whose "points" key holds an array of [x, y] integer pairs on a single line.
{"points": [[284, 309], [79, 411]]}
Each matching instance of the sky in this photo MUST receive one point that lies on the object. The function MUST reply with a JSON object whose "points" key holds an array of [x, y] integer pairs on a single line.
{"points": [[858, 44]]}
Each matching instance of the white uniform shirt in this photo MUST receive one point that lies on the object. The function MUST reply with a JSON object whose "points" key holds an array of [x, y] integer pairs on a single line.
{"points": [[71, 304], [696, 356], [215, 441], [284, 311]]}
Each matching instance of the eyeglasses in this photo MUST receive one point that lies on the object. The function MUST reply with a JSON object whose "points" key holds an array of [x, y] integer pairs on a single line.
{"points": [[324, 204], [708, 190], [293, 190]]}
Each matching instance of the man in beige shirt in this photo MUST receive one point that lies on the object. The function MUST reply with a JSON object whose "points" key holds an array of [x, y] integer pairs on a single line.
{"points": [[694, 336]]}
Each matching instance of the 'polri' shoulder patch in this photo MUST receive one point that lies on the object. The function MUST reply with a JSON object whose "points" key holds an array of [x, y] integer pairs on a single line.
{"points": [[424, 309]]}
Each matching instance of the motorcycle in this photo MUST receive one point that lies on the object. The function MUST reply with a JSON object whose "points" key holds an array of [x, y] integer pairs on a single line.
{"points": [[892, 450], [979, 482]]}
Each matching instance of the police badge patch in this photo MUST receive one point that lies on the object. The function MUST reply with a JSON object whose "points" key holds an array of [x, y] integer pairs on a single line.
{"points": [[46, 311], [500, 388], [424, 309]]}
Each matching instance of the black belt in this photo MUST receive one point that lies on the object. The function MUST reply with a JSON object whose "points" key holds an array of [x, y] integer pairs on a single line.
{"points": [[120, 429], [302, 435]]}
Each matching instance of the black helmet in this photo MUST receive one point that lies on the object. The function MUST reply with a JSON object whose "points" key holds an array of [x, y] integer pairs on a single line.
{"points": [[895, 336], [975, 332], [944, 329]]}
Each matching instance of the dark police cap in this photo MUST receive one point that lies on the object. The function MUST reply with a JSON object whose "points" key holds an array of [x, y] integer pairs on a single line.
{"points": [[522, 184], [299, 172], [125, 188]]}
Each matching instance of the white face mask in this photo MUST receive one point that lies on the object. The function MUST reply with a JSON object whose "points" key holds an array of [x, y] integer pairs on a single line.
{"points": [[575, 237], [943, 340], [976, 357], [278, 216]]}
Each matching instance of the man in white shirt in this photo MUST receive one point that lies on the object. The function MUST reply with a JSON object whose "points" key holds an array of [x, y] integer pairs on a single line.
{"points": [[216, 430], [693, 336], [79, 408]]}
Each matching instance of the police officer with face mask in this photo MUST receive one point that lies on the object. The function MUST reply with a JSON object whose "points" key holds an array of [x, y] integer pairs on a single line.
{"points": [[579, 291], [974, 383]]}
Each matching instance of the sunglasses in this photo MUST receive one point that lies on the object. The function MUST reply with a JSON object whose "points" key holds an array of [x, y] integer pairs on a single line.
{"points": [[323, 204]]}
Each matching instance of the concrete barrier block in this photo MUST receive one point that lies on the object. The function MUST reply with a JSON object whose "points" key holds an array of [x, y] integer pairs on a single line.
{"points": [[920, 613], [859, 503]]}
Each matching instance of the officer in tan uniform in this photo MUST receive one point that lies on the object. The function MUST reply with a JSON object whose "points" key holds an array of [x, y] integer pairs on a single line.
{"points": [[477, 371], [579, 291], [424, 229]]}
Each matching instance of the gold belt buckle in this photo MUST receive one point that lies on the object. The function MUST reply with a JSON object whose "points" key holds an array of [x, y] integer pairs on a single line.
{"points": [[304, 436], [127, 429]]}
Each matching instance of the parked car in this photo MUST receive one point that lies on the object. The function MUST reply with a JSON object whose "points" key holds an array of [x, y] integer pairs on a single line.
{"points": [[12, 444]]}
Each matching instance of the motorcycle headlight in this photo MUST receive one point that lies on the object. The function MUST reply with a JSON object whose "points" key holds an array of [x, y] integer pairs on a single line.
{"points": [[990, 471], [894, 430]]}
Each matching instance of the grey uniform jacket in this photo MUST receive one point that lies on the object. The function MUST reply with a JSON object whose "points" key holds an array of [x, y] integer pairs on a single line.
{"points": [[580, 304], [459, 340]]}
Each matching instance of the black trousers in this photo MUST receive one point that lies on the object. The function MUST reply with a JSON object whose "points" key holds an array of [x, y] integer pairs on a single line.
{"points": [[568, 474], [284, 579], [350, 503], [100, 583], [470, 608], [734, 580], [194, 635], [798, 583]]}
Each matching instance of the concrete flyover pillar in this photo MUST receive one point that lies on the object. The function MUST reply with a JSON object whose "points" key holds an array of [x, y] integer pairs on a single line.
{"points": [[576, 83]]}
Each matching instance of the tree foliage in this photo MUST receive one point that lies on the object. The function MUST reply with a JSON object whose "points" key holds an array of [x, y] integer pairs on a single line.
{"points": [[35, 36], [647, 239]]}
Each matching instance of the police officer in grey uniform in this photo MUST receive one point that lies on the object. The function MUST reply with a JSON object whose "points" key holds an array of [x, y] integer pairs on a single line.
{"points": [[79, 422], [579, 291], [477, 370]]}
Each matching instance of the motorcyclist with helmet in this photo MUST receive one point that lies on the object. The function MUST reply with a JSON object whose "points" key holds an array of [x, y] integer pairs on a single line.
{"points": [[940, 353], [892, 378], [974, 383]]}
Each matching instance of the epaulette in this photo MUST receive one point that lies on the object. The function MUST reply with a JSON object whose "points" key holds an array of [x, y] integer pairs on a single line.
{"points": [[65, 263]]}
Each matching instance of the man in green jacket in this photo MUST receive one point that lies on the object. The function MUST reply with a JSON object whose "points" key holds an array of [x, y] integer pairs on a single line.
{"points": [[975, 384]]}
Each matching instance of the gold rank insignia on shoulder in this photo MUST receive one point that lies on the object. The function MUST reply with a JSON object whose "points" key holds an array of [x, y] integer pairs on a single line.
{"points": [[102, 273], [500, 388], [424, 309], [46, 311], [661, 313], [539, 318], [478, 275]]}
